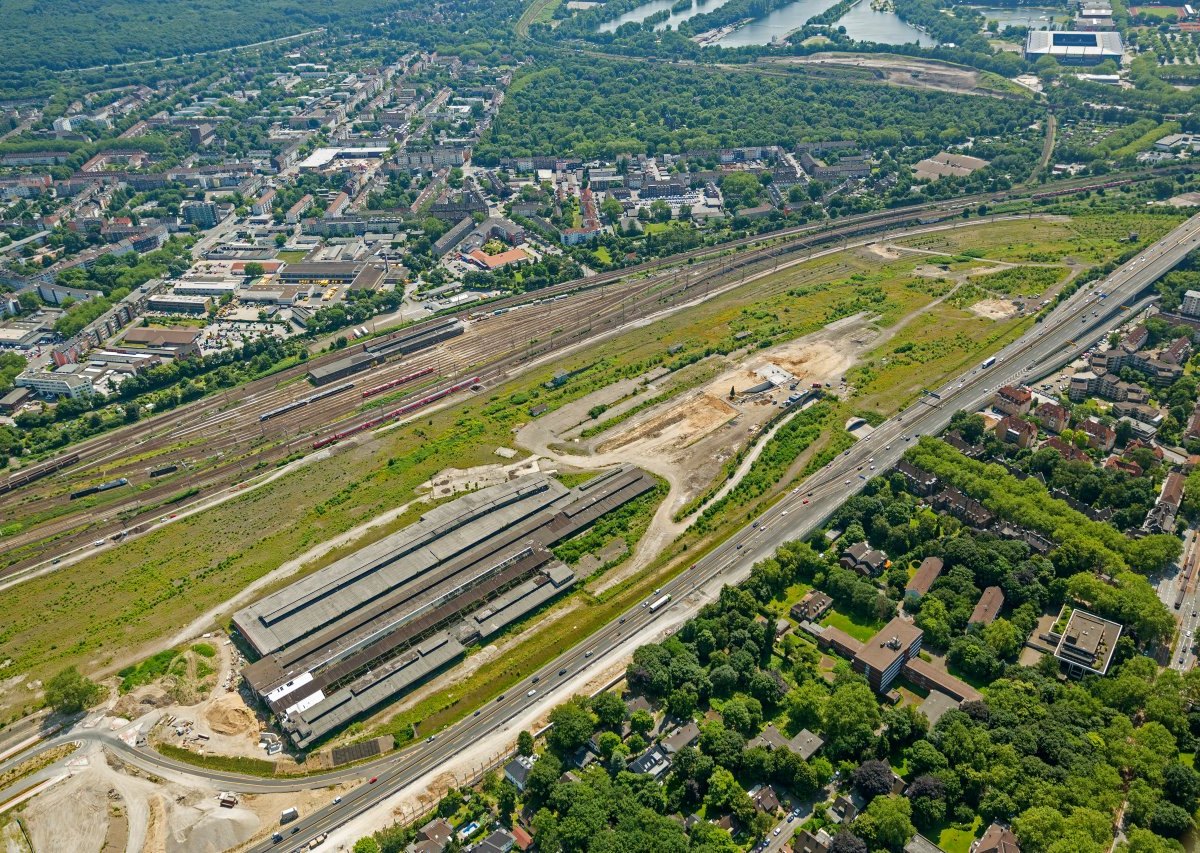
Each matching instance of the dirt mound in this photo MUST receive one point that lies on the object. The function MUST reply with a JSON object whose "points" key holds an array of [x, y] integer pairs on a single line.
{"points": [[228, 716]]}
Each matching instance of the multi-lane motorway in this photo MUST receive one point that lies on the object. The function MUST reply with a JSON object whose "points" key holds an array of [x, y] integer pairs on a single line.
{"points": [[1058, 338], [1061, 335]]}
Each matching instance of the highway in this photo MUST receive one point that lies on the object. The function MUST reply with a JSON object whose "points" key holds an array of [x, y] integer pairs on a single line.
{"points": [[1061, 336], [1065, 332]]}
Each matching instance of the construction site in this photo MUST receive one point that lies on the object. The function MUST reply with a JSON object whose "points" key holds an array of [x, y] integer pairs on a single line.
{"points": [[373, 625]]}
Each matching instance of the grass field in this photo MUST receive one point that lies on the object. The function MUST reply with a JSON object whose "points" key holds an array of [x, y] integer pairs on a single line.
{"points": [[955, 840], [118, 606], [857, 628]]}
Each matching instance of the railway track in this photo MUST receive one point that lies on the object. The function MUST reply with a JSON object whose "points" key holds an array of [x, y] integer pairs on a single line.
{"points": [[216, 442]]}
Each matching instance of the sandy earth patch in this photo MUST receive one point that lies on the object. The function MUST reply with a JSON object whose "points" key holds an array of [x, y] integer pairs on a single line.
{"points": [[228, 715], [678, 427], [995, 309]]}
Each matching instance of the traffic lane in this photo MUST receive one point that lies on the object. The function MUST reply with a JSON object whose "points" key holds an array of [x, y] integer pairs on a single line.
{"points": [[726, 555]]}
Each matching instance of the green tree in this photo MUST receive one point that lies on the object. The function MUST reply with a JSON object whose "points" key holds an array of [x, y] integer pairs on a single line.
{"points": [[70, 691], [641, 721], [851, 717], [887, 822], [524, 743], [366, 845], [609, 709], [254, 269], [573, 725]]}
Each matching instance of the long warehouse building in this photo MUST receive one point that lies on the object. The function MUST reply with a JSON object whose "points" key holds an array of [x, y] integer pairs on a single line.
{"points": [[375, 624]]}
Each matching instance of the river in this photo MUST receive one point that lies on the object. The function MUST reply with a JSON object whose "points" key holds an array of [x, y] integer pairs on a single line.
{"points": [[777, 24], [863, 23], [644, 11]]}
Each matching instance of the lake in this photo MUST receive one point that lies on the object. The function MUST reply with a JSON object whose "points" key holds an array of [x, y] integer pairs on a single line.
{"points": [[644, 11], [777, 24], [863, 23], [1034, 17]]}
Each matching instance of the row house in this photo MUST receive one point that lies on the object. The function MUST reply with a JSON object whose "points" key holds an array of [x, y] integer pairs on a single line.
{"points": [[967, 510]]}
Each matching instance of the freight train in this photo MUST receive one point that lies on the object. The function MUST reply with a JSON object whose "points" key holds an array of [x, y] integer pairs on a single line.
{"points": [[103, 487], [396, 383], [23, 478], [406, 409], [297, 404], [379, 350]]}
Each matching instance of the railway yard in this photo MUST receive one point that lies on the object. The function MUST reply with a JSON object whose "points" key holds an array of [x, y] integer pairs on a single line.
{"points": [[221, 442], [383, 624]]}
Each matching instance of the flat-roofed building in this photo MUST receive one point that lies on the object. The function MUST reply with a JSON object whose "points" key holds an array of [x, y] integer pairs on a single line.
{"points": [[58, 384], [1074, 48], [171, 304], [1087, 644], [881, 658], [376, 623], [180, 341]]}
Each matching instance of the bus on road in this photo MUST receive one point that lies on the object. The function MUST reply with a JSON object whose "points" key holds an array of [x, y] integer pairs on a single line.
{"points": [[987, 362]]}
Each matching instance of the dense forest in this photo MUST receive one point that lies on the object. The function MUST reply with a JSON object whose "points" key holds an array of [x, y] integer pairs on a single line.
{"points": [[595, 108], [76, 34]]}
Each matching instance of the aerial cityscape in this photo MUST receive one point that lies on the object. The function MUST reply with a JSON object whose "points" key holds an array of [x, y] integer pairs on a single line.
{"points": [[615, 426]]}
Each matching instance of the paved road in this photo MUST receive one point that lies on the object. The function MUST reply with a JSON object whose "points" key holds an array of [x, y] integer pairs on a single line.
{"points": [[1059, 338], [1062, 335]]}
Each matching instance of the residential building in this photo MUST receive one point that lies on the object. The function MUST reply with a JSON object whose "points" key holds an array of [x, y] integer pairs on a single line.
{"points": [[967, 510], [812, 606], [997, 838], [805, 744], [653, 762], [1053, 417], [920, 844], [202, 214], [1087, 644], [882, 657], [916, 481], [810, 842], [438, 830], [499, 841], [1012, 400], [684, 736], [1067, 451], [1161, 518], [862, 558], [988, 607], [1191, 303], [928, 572], [765, 799], [1014, 430], [264, 203], [1099, 436], [517, 770], [296, 211]]}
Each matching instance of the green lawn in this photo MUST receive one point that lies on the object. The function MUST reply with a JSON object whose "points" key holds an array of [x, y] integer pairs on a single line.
{"points": [[955, 840], [291, 256], [858, 629]]}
